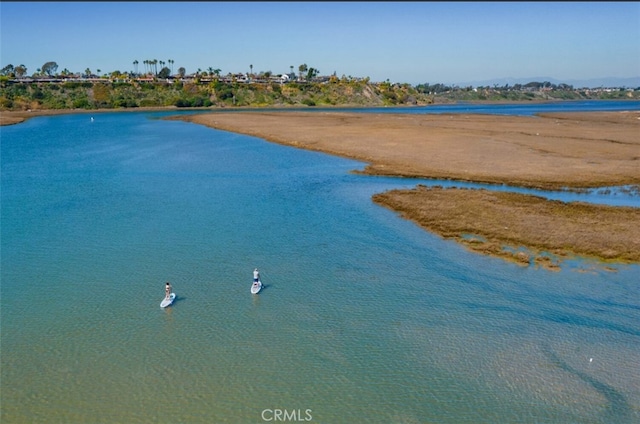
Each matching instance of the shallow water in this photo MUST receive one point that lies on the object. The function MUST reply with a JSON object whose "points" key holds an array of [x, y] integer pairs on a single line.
{"points": [[492, 108], [525, 109], [364, 317]]}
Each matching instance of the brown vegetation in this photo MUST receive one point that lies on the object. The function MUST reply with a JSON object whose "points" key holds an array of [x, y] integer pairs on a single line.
{"points": [[549, 151], [502, 224]]}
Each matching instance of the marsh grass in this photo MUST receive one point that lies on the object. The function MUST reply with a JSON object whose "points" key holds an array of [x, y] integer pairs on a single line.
{"points": [[549, 151], [529, 230]]}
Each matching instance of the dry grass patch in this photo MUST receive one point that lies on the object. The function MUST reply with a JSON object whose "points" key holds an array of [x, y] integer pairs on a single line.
{"points": [[548, 151], [505, 223]]}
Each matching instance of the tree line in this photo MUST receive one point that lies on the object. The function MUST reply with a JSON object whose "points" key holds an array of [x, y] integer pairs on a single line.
{"points": [[50, 69]]}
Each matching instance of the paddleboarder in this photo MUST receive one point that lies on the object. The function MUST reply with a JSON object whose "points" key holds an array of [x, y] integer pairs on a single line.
{"points": [[167, 290]]}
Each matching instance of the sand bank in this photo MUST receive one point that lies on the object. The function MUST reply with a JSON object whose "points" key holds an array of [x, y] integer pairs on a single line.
{"points": [[548, 151], [502, 223]]}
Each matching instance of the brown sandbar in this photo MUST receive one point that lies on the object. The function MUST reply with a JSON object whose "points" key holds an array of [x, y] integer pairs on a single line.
{"points": [[550, 151], [547, 151], [503, 223]]}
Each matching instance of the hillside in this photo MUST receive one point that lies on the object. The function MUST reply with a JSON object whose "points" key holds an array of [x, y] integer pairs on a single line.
{"points": [[108, 94]]}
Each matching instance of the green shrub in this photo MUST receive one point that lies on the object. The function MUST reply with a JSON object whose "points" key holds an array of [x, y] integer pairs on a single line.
{"points": [[81, 104]]}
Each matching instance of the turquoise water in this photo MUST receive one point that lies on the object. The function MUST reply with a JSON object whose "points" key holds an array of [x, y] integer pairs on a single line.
{"points": [[364, 317]]}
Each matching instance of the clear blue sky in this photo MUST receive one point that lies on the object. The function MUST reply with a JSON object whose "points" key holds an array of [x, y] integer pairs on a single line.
{"points": [[412, 42]]}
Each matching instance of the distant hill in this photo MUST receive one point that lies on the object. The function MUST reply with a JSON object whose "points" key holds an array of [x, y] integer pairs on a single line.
{"points": [[615, 82]]}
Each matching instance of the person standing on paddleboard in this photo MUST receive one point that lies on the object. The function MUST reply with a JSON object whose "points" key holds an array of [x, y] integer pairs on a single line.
{"points": [[256, 275], [167, 290]]}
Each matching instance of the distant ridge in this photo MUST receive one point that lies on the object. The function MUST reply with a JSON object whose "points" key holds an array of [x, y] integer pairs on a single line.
{"points": [[613, 82]]}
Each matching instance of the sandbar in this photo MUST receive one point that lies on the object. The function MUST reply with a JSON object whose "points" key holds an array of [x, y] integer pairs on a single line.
{"points": [[529, 230], [548, 151]]}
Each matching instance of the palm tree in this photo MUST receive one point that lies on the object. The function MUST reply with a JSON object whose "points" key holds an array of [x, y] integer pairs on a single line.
{"points": [[291, 66], [251, 67], [171, 64], [135, 65]]}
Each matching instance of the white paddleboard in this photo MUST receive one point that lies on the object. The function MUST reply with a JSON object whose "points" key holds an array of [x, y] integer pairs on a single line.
{"points": [[256, 287], [166, 302]]}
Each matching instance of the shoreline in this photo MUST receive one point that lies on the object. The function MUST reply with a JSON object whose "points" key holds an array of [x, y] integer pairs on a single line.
{"points": [[577, 150], [549, 151], [573, 150], [525, 229], [13, 117]]}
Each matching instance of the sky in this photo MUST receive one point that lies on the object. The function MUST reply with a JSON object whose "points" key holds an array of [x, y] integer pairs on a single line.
{"points": [[406, 42]]}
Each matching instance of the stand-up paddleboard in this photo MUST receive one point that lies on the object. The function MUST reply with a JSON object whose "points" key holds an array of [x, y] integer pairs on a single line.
{"points": [[166, 302], [256, 287]]}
